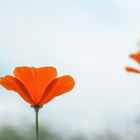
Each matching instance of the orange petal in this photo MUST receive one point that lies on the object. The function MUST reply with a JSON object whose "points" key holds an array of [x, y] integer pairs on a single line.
{"points": [[57, 87], [11, 83], [35, 79], [129, 69], [136, 57]]}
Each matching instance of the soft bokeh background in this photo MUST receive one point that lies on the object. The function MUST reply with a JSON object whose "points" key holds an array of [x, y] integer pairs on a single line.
{"points": [[89, 39]]}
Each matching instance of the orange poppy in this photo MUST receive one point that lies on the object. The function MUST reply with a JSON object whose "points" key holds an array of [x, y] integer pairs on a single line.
{"points": [[135, 57], [37, 86]]}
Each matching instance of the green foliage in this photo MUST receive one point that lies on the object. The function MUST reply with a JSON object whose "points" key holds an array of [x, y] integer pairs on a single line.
{"points": [[10, 133]]}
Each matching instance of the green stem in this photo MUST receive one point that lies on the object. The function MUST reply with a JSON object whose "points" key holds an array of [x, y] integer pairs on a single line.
{"points": [[36, 118]]}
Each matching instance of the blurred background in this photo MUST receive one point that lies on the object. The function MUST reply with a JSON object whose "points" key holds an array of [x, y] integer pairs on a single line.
{"points": [[88, 39]]}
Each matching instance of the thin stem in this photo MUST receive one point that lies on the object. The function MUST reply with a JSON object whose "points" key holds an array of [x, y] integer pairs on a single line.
{"points": [[36, 118]]}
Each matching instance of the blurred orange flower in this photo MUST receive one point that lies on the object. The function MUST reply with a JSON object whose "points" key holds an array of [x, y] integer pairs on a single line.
{"points": [[135, 57], [37, 86]]}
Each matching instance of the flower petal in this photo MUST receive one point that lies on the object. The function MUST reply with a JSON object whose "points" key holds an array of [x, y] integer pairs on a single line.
{"points": [[129, 69], [57, 87], [35, 79], [11, 83], [136, 57]]}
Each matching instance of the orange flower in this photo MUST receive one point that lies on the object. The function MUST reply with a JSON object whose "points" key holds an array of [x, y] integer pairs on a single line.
{"points": [[37, 86], [136, 57]]}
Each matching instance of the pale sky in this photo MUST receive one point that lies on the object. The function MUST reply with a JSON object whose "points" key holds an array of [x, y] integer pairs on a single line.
{"points": [[88, 39]]}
